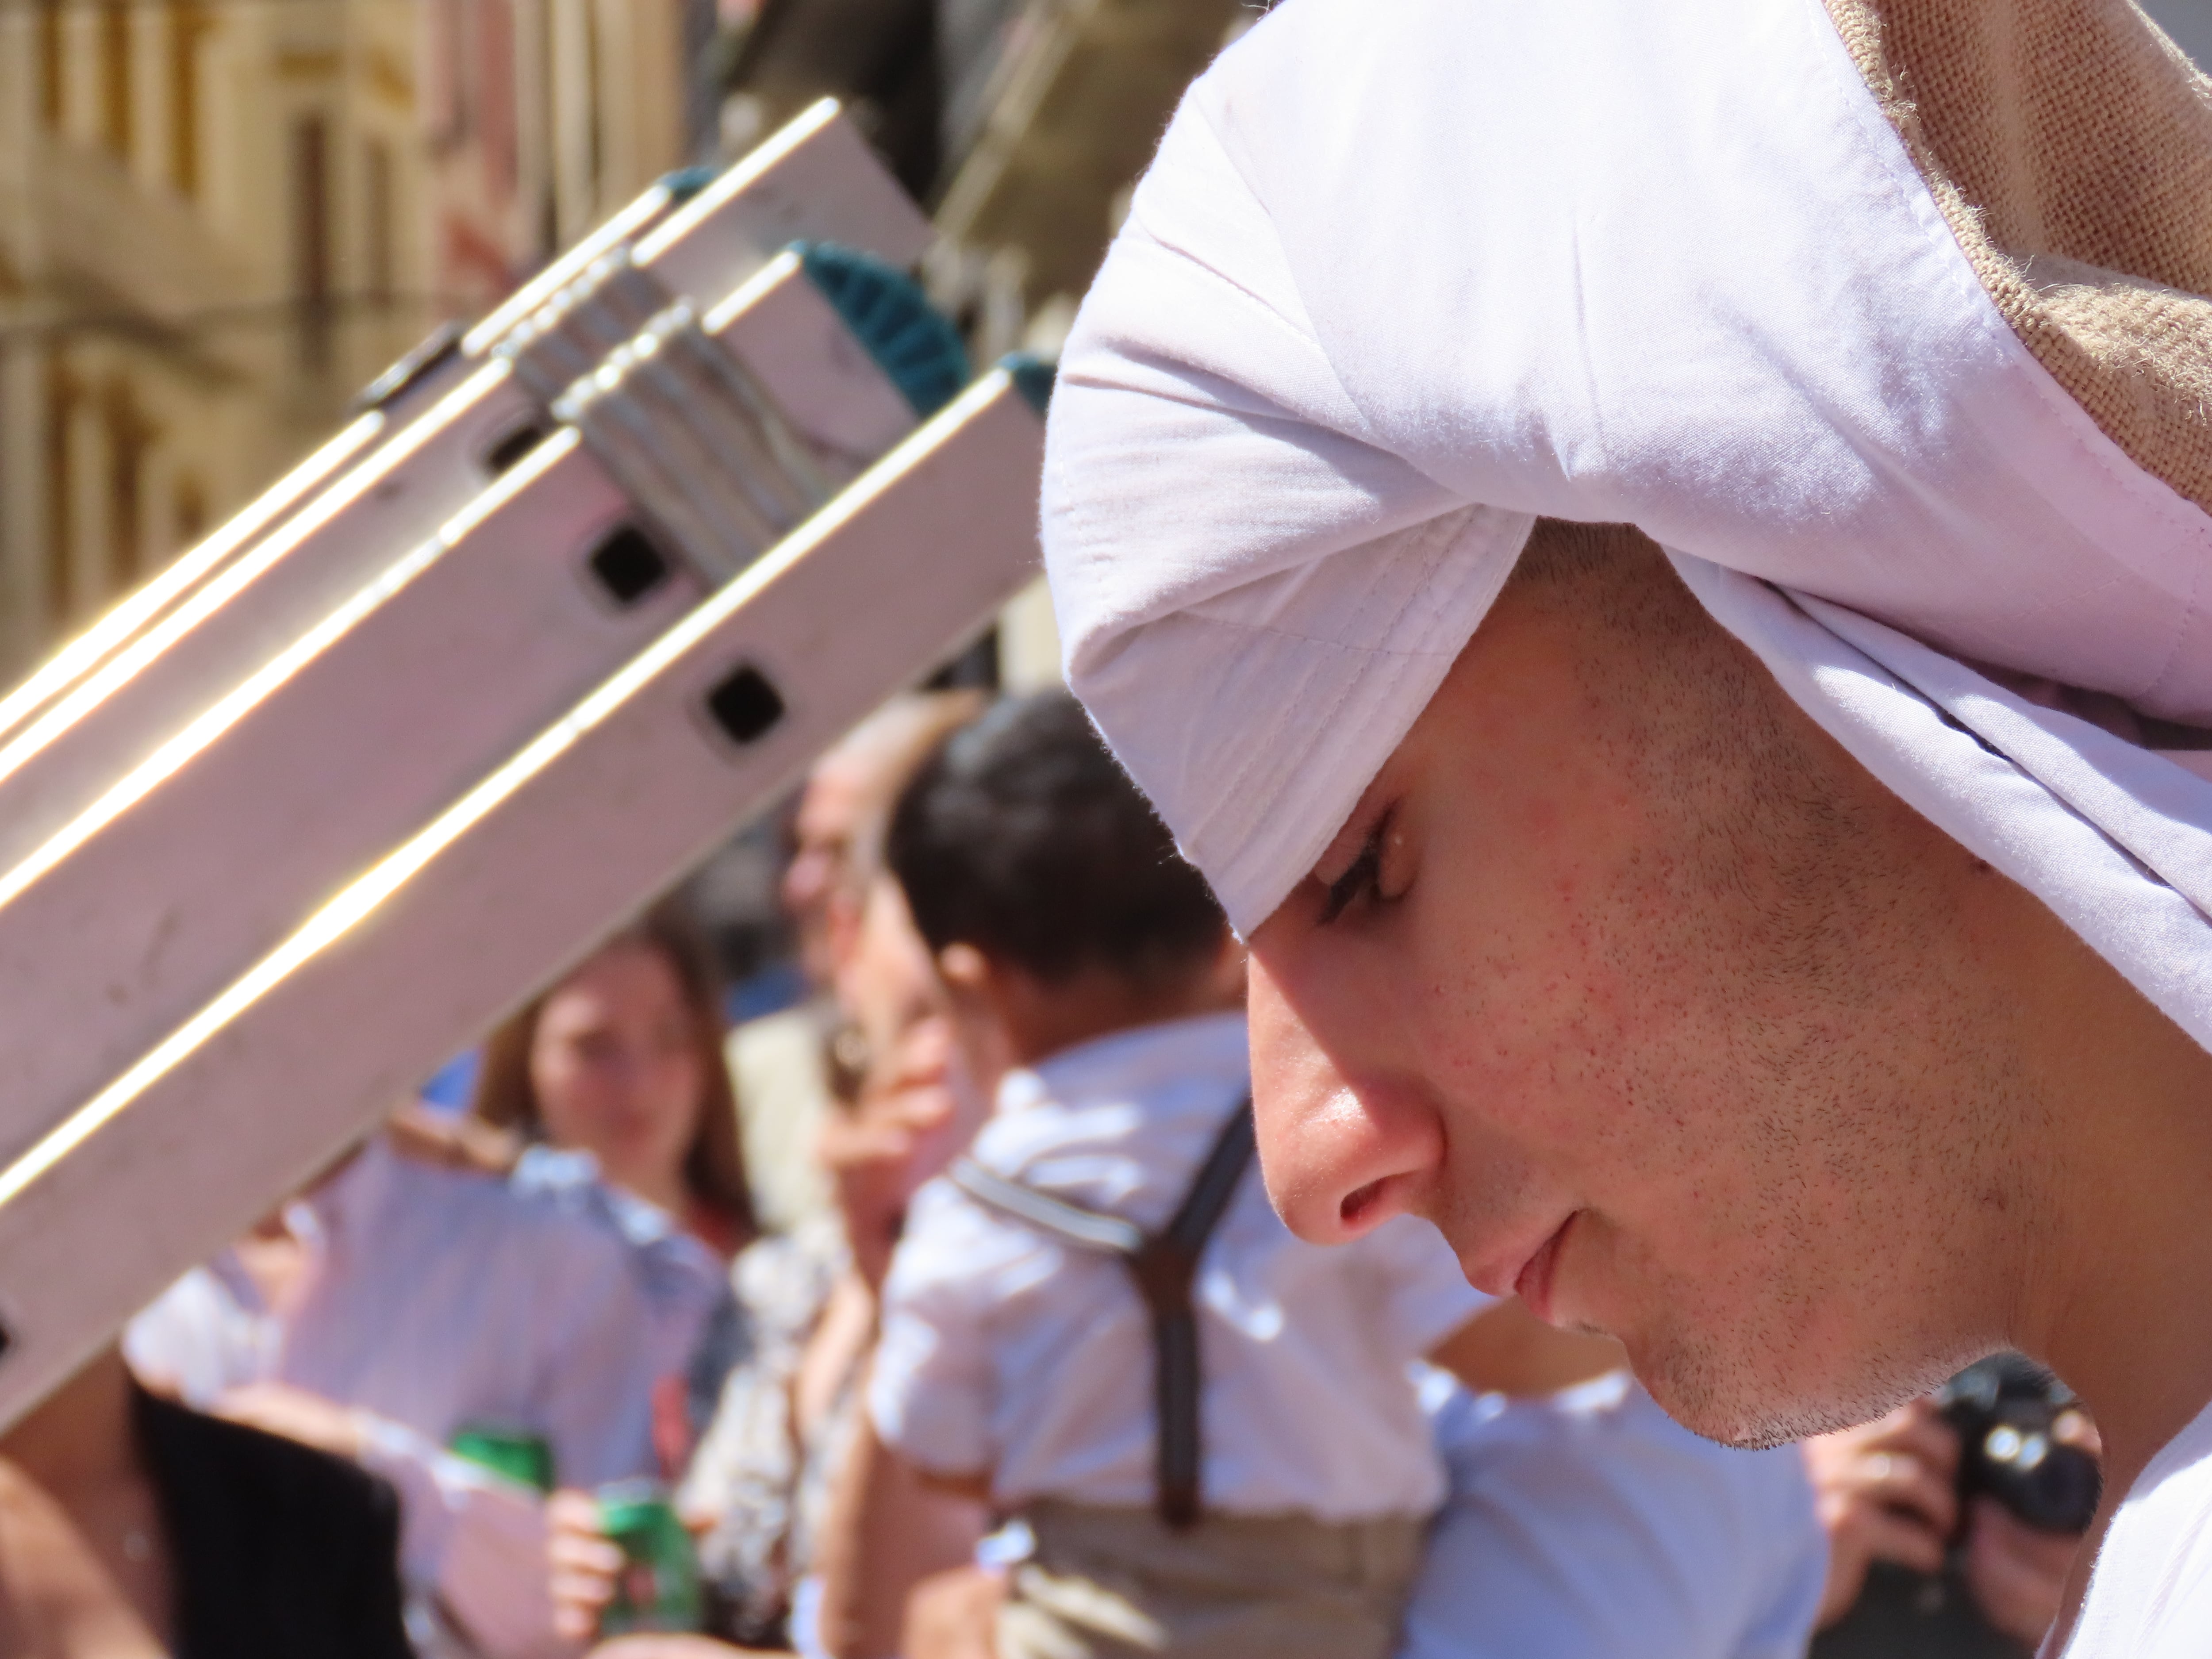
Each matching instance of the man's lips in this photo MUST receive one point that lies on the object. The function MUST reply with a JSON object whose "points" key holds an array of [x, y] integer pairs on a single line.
{"points": [[1509, 1267], [1533, 1284]]}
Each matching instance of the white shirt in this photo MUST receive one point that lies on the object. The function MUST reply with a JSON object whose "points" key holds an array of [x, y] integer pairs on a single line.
{"points": [[679, 1278], [437, 1298], [1005, 1350], [2150, 1596], [211, 1332], [1591, 1522], [442, 1298], [403, 1258]]}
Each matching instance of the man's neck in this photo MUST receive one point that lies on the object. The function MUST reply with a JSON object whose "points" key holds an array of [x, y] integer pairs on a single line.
{"points": [[2119, 1259]]}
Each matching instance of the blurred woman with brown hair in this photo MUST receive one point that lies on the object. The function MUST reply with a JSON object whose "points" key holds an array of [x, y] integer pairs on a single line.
{"points": [[623, 1059]]}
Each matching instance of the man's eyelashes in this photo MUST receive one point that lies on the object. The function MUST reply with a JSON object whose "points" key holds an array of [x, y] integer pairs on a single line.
{"points": [[1361, 881]]}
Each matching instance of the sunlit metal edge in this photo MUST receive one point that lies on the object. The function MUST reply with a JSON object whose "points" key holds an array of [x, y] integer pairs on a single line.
{"points": [[174, 755], [742, 176], [479, 340], [127, 665], [79, 656], [361, 899]]}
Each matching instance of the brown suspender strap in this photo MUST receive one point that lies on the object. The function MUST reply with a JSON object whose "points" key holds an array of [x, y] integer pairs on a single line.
{"points": [[1164, 1266], [1164, 1271]]}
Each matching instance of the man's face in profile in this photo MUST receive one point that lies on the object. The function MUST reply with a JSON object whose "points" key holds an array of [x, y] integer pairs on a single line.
{"points": [[1664, 1011]]}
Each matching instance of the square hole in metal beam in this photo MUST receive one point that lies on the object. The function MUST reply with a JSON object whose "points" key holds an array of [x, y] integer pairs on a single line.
{"points": [[745, 705], [513, 447], [628, 565]]}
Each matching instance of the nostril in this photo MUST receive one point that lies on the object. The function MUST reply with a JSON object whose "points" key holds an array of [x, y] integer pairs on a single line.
{"points": [[1358, 1203]]}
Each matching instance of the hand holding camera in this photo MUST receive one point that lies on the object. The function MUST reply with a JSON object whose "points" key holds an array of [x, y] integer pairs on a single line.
{"points": [[1953, 1521]]}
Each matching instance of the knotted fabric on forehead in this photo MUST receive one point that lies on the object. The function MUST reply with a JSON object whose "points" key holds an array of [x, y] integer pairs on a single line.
{"points": [[1885, 318]]}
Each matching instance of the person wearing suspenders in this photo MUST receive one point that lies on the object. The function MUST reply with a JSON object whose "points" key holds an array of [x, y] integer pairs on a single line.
{"points": [[1097, 1321]]}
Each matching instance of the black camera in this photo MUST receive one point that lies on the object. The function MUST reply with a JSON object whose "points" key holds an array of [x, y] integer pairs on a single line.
{"points": [[2010, 1417], [2010, 1413]]}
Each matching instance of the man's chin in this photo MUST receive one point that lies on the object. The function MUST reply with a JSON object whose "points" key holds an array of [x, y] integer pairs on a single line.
{"points": [[1734, 1402]]}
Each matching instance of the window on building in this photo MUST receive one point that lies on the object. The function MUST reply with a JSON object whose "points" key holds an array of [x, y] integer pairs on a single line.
{"points": [[51, 66], [130, 436], [62, 395], [115, 76], [493, 52], [446, 93], [188, 21], [188, 511], [311, 237], [378, 231]]}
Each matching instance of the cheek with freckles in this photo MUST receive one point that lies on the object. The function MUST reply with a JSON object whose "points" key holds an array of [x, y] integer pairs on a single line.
{"points": [[1522, 1028], [1575, 1069], [1727, 1180]]}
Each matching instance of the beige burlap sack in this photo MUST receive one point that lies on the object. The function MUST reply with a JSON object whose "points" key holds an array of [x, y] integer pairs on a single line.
{"points": [[1117, 1583], [2070, 144]]}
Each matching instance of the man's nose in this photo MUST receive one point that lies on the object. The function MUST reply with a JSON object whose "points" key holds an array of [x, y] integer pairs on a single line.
{"points": [[1343, 1149]]}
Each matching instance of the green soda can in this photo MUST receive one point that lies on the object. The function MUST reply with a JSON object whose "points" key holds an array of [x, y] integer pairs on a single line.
{"points": [[658, 1587], [523, 1457]]}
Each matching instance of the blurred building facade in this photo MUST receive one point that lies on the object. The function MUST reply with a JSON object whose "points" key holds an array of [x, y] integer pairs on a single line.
{"points": [[206, 239], [1022, 123], [540, 117], [220, 218]]}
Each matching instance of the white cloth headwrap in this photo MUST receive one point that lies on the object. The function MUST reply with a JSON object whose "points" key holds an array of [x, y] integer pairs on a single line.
{"points": [[1408, 274]]}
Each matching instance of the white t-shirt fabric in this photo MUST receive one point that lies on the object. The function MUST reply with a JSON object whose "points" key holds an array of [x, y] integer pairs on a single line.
{"points": [[1005, 1350], [211, 1332], [436, 1298], [679, 1279], [442, 1298], [2150, 1595], [1591, 1522]]}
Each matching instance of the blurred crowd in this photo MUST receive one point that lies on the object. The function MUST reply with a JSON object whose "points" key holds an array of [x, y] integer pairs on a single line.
{"points": [[943, 1316]]}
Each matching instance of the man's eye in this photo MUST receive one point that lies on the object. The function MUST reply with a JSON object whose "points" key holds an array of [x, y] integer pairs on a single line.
{"points": [[1360, 881]]}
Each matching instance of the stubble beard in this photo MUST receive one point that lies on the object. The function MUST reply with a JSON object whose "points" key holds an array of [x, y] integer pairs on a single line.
{"points": [[1862, 1269], [1727, 1388]]}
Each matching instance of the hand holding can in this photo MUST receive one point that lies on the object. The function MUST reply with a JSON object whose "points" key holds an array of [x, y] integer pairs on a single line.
{"points": [[658, 1587]]}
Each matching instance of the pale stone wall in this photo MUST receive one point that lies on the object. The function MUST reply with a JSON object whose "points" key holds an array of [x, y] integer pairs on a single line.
{"points": [[184, 314]]}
